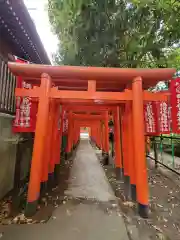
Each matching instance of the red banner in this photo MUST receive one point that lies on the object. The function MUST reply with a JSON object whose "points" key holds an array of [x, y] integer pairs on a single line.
{"points": [[163, 118], [150, 117], [175, 103], [26, 109]]}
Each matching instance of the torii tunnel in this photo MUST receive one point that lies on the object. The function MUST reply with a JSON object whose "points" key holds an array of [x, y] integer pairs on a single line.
{"points": [[89, 94]]}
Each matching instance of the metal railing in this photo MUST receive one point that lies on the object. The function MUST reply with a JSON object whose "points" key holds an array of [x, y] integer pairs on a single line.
{"points": [[165, 150], [7, 89]]}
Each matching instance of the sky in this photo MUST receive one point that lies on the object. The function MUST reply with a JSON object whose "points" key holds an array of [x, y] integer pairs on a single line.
{"points": [[39, 14]]}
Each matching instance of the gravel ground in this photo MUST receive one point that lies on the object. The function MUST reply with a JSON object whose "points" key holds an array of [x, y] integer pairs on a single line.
{"points": [[164, 213], [48, 203]]}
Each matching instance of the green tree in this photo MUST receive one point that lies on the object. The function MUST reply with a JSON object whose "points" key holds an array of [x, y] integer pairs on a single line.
{"points": [[174, 58], [116, 33]]}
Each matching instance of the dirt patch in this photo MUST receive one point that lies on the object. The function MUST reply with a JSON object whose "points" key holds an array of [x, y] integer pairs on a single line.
{"points": [[164, 217]]}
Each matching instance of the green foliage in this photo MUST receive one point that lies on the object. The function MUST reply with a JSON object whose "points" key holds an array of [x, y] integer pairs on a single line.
{"points": [[174, 58], [116, 33]]}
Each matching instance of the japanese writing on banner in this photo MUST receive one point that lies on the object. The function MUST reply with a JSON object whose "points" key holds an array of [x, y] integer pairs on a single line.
{"points": [[23, 106], [175, 105], [150, 117], [163, 111], [26, 109]]}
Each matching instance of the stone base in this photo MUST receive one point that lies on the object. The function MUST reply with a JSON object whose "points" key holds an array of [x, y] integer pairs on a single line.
{"points": [[143, 210], [105, 159], [127, 186], [44, 186], [51, 181], [31, 208], [119, 173], [56, 174], [68, 155], [133, 192]]}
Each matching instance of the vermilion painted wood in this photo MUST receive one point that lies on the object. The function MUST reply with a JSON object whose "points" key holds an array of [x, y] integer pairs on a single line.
{"points": [[125, 141], [139, 143], [106, 126], [47, 158], [55, 139], [132, 172], [58, 140], [117, 136], [91, 73], [76, 84], [39, 140], [94, 97]]}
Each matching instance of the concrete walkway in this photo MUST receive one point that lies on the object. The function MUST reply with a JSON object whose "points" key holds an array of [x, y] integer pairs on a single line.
{"points": [[88, 179], [91, 214]]}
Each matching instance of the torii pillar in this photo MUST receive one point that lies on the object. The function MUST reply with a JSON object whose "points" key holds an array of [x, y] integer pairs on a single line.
{"points": [[118, 147], [106, 133], [139, 147], [39, 143], [70, 135], [55, 147]]}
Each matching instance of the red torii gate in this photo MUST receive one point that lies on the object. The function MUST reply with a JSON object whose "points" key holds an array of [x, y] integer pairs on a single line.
{"points": [[94, 129], [116, 114], [99, 110], [87, 85], [103, 117]]}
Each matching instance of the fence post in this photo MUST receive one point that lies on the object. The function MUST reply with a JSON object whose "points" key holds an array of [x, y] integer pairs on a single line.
{"points": [[161, 147], [172, 146], [155, 152]]}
